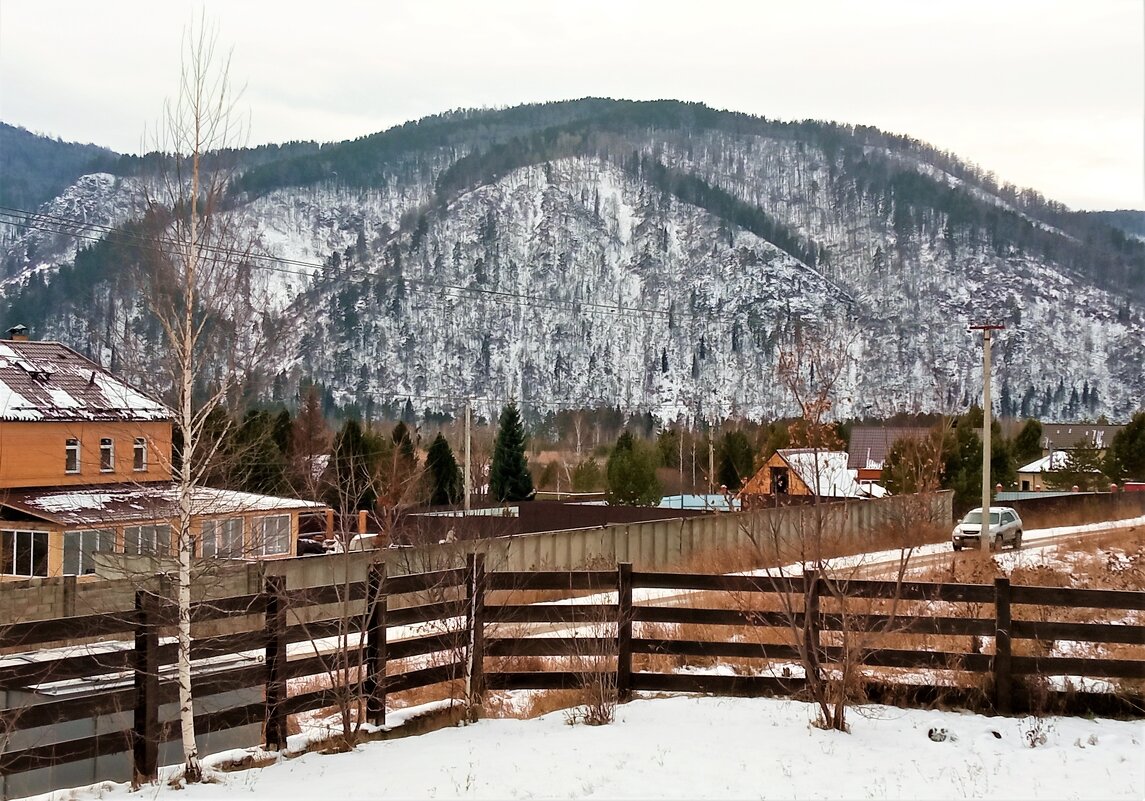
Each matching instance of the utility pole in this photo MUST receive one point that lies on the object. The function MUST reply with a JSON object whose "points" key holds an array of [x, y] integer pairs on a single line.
{"points": [[467, 478], [984, 528], [711, 462]]}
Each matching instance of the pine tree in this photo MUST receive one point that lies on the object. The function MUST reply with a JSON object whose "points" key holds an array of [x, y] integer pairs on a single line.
{"points": [[444, 473], [631, 473], [1028, 443], [356, 462], [509, 478], [736, 459]]}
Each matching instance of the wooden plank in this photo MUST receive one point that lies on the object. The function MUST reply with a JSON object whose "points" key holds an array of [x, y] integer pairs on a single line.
{"points": [[423, 582], [550, 646], [215, 608], [877, 625], [1079, 666], [1088, 632], [937, 660], [324, 664], [713, 617], [352, 593], [551, 613], [426, 613], [19, 676], [698, 648], [227, 644], [1074, 597], [719, 685], [53, 754], [323, 629], [424, 677], [504, 580], [916, 591], [29, 634], [314, 699], [535, 680], [430, 644], [715, 583], [67, 709]]}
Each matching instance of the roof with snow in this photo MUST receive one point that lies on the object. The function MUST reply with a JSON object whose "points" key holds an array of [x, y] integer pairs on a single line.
{"points": [[1055, 461], [51, 382], [106, 504], [824, 472]]}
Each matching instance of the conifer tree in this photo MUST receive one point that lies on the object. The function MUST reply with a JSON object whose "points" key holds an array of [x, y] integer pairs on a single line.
{"points": [[509, 478], [444, 473], [631, 473]]}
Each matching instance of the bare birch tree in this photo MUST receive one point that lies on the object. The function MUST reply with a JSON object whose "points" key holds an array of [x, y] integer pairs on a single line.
{"points": [[199, 289]]}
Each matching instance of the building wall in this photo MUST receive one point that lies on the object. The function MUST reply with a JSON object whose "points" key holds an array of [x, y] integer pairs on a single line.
{"points": [[760, 483], [32, 454]]}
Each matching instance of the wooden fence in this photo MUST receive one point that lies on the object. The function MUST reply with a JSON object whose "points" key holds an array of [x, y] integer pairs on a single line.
{"points": [[472, 632]]}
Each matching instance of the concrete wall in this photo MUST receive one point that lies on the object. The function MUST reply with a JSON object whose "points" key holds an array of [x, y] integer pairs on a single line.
{"points": [[650, 545]]}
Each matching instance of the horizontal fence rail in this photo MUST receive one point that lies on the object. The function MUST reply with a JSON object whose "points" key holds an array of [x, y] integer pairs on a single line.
{"points": [[290, 650]]}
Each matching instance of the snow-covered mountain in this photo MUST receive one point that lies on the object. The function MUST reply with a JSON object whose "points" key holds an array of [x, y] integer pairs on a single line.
{"points": [[652, 256]]}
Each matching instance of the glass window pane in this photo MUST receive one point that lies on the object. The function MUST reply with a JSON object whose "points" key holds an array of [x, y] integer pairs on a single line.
{"points": [[39, 553], [73, 541], [7, 551]]}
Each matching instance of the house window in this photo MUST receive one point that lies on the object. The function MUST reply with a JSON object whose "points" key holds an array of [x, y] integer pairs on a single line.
{"points": [[147, 540], [779, 481], [72, 455], [80, 548], [223, 538], [140, 461], [106, 454], [273, 535], [24, 553]]}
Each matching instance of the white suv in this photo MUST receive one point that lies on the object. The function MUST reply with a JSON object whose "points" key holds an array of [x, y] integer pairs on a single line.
{"points": [[1005, 529]]}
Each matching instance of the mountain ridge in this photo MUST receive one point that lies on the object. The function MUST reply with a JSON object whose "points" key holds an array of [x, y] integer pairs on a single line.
{"points": [[650, 206]]}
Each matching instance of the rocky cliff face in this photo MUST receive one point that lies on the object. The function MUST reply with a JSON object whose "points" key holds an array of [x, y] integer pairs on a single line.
{"points": [[654, 263]]}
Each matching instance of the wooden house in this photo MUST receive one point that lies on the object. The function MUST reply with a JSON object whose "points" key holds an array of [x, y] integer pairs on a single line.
{"points": [[85, 467], [805, 472]]}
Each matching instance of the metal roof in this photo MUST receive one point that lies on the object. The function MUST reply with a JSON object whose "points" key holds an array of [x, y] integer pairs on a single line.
{"points": [[111, 504], [47, 381], [870, 445]]}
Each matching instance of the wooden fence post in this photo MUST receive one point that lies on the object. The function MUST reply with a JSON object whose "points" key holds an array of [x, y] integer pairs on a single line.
{"points": [[376, 604], [475, 667], [623, 631], [811, 622], [1002, 628], [145, 731], [275, 734]]}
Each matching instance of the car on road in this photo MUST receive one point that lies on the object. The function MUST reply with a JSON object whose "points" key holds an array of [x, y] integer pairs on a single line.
{"points": [[1005, 528]]}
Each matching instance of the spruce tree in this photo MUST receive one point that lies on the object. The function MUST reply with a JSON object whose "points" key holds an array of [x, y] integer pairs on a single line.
{"points": [[631, 473], [509, 478], [444, 473]]}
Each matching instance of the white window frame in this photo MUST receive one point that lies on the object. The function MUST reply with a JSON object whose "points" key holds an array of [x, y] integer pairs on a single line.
{"points": [[139, 455], [34, 541], [272, 542], [72, 455], [149, 535], [223, 538], [107, 446], [80, 547]]}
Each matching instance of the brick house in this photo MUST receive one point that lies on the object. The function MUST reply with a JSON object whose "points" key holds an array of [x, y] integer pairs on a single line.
{"points": [[85, 467]]}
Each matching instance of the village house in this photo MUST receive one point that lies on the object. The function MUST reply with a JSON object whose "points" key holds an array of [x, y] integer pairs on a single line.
{"points": [[85, 467], [805, 472]]}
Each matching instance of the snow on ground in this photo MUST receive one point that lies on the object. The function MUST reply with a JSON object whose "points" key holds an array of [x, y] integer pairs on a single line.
{"points": [[708, 748], [711, 748]]}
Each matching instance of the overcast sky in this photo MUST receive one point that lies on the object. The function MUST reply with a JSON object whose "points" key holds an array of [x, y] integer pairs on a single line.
{"points": [[1046, 94]]}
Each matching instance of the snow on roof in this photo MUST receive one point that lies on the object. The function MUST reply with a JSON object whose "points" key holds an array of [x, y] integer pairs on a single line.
{"points": [[1055, 461], [48, 381], [118, 503], [824, 472]]}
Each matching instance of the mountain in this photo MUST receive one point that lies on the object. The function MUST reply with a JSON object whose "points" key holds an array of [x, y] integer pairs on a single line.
{"points": [[656, 256]]}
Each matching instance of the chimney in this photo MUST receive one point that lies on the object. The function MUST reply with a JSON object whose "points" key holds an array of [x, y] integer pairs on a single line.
{"points": [[18, 333]]}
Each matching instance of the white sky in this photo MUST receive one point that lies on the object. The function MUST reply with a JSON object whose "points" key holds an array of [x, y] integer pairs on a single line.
{"points": [[1047, 94]]}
